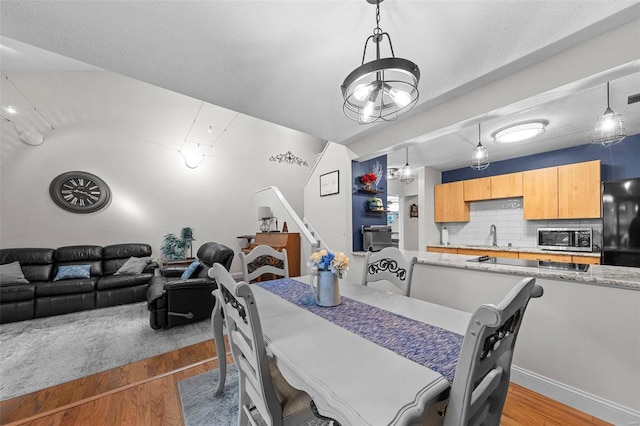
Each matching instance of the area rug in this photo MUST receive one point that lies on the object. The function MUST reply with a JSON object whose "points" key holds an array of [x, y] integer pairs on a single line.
{"points": [[44, 352], [200, 407]]}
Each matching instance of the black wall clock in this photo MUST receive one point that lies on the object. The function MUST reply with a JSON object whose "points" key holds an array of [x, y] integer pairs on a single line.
{"points": [[80, 192]]}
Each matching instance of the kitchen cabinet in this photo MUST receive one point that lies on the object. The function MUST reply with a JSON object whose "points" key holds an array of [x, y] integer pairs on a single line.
{"points": [[477, 189], [492, 253], [506, 186], [548, 257], [540, 193], [449, 204], [450, 250], [586, 259], [579, 190]]}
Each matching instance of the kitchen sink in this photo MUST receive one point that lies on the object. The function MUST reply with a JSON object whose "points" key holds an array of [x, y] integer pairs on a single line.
{"points": [[576, 267]]}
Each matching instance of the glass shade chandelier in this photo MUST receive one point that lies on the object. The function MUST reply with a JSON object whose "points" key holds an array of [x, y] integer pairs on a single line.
{"points": [[406, 173], [480, 155], [609, 130], [382, 89], [393, 173]]}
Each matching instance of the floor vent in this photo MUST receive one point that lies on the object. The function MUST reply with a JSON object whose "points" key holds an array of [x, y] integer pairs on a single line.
{"points": [[633, 99]]}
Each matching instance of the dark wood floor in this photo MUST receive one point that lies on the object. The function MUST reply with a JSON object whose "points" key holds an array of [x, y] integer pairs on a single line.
{"points": [[146, 393]]}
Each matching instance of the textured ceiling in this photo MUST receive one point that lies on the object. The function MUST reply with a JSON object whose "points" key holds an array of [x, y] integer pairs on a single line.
{"points": [[284, 61]]}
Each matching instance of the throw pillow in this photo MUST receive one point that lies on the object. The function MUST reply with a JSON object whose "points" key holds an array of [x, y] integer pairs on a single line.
{"points": [[133, 266], [190, 270], [68, 272], [11, 273]]}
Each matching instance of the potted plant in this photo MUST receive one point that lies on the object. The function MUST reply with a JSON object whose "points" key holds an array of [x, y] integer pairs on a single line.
{"points": [[175, 247]]}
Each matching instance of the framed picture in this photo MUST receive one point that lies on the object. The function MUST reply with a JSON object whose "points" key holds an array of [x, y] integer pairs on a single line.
{"points": [[330, 183], [413, 210]]}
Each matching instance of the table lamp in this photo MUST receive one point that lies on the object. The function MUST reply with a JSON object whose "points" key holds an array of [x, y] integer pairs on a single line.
{"points": [[264, 214]]}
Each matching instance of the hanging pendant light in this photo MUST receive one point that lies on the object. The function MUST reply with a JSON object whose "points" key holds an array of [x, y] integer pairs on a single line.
{"points": [[382, 89], [609, 130], [406, 174], [480, 155]]}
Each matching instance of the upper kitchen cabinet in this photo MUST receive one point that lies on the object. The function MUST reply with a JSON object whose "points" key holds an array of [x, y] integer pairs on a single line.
{"points": [[449, 203], [540, 193], [579, 190], [506, 186], [477, 189]]}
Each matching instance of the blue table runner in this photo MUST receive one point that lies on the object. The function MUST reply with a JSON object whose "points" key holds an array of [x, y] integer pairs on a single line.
{"points": [[425, 344]]}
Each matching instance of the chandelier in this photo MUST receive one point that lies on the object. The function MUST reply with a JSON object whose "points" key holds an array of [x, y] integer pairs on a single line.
{"points": [[382, 89], [609, 130], [480, 155]]}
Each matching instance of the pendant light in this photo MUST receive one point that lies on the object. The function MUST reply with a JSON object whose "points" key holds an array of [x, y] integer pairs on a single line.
{"points": [[382, 89], [406, 174], [480, 155], [609, 130]]}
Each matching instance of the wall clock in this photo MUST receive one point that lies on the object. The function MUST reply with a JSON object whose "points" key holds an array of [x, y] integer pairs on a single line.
{"points": [[80, 192]]}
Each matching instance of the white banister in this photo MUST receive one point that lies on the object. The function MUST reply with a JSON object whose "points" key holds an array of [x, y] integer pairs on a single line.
{"points": [[304, 231]]}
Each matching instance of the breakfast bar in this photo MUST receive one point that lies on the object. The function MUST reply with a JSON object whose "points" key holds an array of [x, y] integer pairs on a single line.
{"points": [[581, 342]]}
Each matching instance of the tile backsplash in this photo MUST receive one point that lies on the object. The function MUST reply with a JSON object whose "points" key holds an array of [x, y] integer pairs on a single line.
{"points": [[507, 215]]}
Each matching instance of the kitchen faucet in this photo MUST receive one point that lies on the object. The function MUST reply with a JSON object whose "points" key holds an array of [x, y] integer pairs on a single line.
{"points": [[494, 232]]}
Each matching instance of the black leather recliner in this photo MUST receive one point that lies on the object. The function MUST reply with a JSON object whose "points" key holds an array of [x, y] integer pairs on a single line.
{"points": [[172, 301]]}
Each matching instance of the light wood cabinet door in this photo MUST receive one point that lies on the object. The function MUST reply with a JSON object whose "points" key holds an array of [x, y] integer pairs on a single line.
{"points": [[477, 189], [449, 250], [449, 204], [586, 260], [491, 253], [579, 190], [540, 193], [549, 257], [506, 186]]}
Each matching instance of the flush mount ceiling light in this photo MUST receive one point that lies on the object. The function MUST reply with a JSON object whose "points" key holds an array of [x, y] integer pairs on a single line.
{"points": [[382, 89], [520, 131], [609, 130], [406, 174], [480, 155], [393, 173]]}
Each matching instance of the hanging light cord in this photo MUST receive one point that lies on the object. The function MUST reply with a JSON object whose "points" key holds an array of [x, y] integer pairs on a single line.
{"points": [[32, 106], [377, 36]]}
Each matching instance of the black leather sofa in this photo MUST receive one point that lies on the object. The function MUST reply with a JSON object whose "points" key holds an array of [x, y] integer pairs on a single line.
{"points": [[172, 301], [42, 296]]}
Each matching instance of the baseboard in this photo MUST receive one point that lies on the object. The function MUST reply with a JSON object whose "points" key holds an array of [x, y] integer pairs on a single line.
{"points": [[593, 405]]}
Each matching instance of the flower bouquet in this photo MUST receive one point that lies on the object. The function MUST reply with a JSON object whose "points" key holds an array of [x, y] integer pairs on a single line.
{"points": [[325, 260], [368, 179]]}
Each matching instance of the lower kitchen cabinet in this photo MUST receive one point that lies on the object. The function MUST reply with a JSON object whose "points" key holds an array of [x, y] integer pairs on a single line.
{"points": [[548, 257]]}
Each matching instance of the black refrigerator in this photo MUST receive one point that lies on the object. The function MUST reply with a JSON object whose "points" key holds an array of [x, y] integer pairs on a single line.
{"points": [[621, 222]]}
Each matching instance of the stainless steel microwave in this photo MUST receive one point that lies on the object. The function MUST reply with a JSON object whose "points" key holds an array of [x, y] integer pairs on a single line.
{"points": [[565, 239]]}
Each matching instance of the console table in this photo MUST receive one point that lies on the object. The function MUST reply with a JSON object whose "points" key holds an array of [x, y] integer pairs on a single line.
{"points": [[280, 240]]}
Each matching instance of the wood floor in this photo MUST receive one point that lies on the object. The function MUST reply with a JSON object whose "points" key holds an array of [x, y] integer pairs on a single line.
{"points": [[145, 393]]}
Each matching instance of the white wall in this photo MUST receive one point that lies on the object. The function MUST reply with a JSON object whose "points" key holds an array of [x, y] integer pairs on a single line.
{"points": [[331, 215], [153, 192]]}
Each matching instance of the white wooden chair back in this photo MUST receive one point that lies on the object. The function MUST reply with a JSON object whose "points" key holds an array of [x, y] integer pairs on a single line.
{"points": [[389, 264], [482, 375], [264, 259], [248, 349]]}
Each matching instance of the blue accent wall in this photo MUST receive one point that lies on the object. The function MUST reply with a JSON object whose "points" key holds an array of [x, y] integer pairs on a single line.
{"points": [[621, 161], [359, 200]]}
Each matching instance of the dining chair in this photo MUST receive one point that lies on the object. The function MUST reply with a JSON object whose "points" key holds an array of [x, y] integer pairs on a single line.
{"points": [[262, 260], [391, 265], [261, 383], [481, 380]]}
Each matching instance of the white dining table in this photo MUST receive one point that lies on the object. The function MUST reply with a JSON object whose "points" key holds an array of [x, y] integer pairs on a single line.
{"points": [[350, 378]]}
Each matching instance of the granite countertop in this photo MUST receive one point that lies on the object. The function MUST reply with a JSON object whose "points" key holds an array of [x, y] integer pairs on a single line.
{"points": [[517, 249], [611, 276]]}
